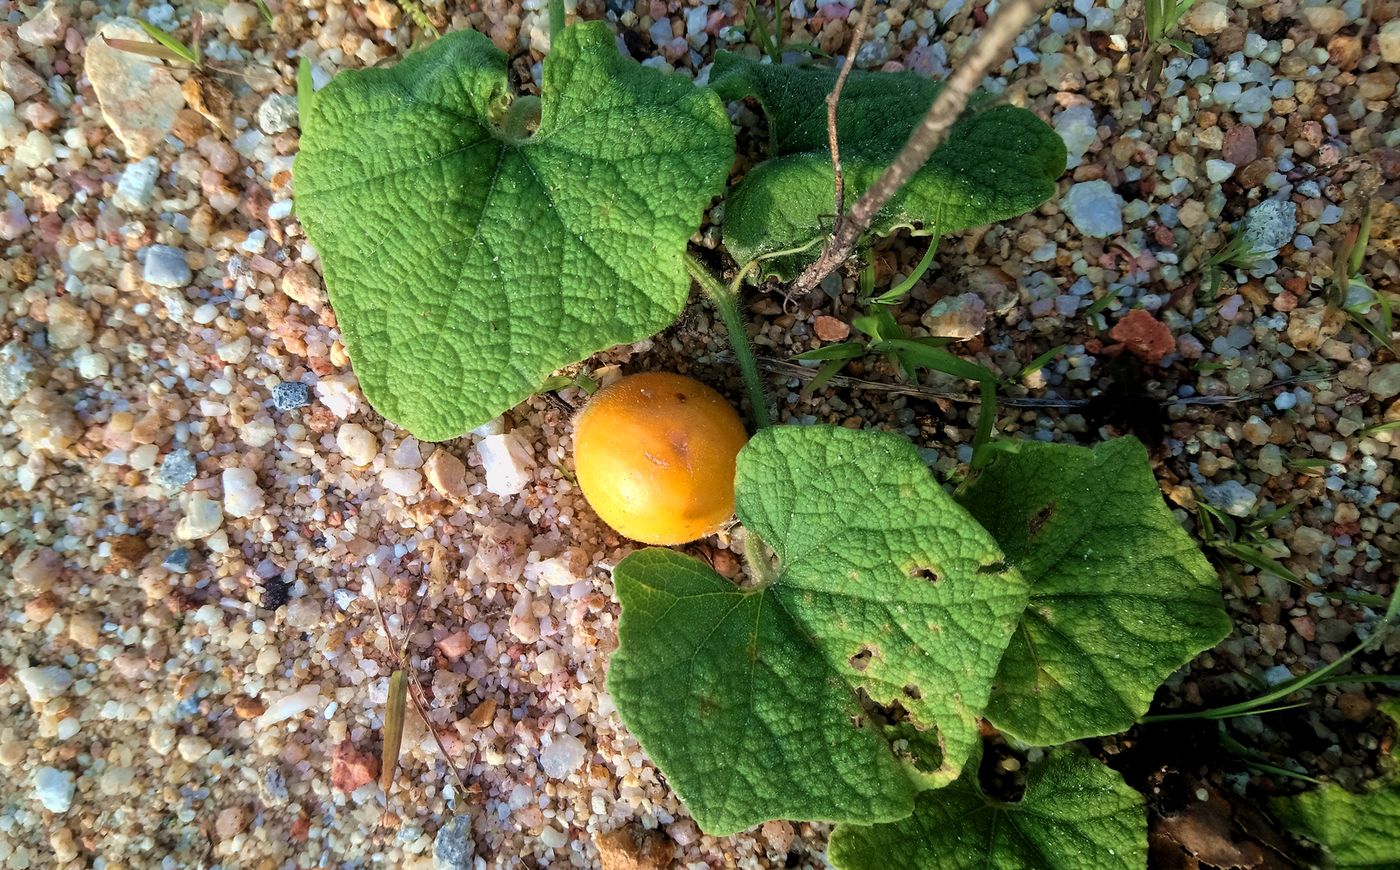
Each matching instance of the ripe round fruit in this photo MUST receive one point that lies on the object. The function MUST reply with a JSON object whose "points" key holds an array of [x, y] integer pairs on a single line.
{"points": [[654, 454]]}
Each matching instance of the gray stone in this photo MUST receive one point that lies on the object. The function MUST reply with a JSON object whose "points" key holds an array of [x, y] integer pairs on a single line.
{"points": [[1233, 497], [137, 186], [453, 848], [166, 267], [277, 114], [1095, 208], [178, 562], [1256, 100], [1078, 128], [1385, 381], [290, 395], [1269, 226], [176, 469]]}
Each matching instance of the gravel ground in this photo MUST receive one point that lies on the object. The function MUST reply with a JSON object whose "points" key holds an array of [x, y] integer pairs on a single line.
{"points": [[197, 505]]}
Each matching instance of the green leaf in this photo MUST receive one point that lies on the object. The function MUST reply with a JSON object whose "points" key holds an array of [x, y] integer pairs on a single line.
{"points": [[999, 161], [761, 703], [1354, 829], [466, 264], [1120, 595], [1077, 814]]}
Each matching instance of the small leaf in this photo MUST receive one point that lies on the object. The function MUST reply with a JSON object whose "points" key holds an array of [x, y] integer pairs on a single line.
{"points": [[889, 602], [999, 161], [1077, 814], [1355, 829], [466, 264], [1120, 595]]}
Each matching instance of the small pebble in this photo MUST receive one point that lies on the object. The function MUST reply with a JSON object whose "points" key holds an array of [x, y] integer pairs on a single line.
{"points": [[1095, 208], [290, 395], [44, 683], [178, 560], [357, 443], [508, 462], [166, 267], [453, 847], [177, 468], [243, 497], [54, 788]]}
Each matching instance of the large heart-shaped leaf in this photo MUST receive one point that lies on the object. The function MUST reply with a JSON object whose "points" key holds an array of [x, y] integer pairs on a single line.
{"points": [[999, 161], [465, 260], [854, 675], [1076, 814], [1120, 595]]}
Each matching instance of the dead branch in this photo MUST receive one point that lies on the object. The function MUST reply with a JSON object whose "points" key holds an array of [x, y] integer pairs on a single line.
{"points": [[997, 37]]}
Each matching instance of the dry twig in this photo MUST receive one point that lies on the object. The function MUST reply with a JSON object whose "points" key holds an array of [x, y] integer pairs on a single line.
{"points": [[834, 98], [997, 37]]}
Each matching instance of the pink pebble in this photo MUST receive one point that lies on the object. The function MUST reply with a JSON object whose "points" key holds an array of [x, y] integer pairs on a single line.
{"points": [[454, 646]]}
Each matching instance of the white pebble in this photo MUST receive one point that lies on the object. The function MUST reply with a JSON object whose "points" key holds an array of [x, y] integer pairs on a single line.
{"points": [[54, 789], [192, 747], [357, 443], [289, 705], [202, 518], [508, 463], [45, 683], [242, 495], [562, 756], [402, 481]]}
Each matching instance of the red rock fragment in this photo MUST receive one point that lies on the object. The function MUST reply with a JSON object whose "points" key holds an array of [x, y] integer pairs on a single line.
{"points": [[829, 328], [1240, 145], [351, 768], [1145, 336]]}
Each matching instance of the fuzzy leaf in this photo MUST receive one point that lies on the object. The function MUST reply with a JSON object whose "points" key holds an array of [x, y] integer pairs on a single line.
{"points": [[1355, 829], [754, 702], [1120, 595], [464, 264], [999, 161], [1076, 814]]}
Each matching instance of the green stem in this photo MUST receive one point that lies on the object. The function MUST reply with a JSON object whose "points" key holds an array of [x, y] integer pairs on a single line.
{"points": [[726, 302], [556, 21], [522, 117]]}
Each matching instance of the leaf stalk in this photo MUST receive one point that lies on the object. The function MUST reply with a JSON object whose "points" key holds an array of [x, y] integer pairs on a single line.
{"points": [[726, 302]]}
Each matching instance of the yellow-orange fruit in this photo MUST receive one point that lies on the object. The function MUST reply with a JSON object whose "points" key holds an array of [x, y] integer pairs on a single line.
{"points": [[654, 454]]}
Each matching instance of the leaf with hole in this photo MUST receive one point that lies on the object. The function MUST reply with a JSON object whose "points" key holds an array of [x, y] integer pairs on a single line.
{"points": [[999, 161], [1120, 595], [885, 617], [1076, 814], [466, 260]]}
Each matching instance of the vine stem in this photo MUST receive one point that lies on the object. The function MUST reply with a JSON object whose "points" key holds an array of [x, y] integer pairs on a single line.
{"points": [[997, 38], [833, 99], [726, 302]]}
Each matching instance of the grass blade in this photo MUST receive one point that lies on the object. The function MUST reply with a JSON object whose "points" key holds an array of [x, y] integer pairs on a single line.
{"points": [[935, 358], [184, 52], [897, 292], [393, 729], [1040, 362]]}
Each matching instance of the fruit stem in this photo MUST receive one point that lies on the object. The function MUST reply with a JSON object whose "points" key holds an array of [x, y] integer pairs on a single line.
{"points": [[726, 302]]}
